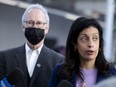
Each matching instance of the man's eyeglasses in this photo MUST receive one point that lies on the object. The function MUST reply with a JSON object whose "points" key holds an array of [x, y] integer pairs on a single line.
{"points": [[31, 23]]}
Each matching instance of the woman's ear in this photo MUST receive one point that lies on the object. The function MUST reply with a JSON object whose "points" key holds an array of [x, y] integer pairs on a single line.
{"points": [[74, 45]]}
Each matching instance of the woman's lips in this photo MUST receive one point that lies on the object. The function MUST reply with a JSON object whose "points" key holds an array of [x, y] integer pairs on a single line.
{"points": [[90, 52]]}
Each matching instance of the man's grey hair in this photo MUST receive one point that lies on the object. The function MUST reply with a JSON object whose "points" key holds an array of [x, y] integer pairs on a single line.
{"points": [[36, 6]]}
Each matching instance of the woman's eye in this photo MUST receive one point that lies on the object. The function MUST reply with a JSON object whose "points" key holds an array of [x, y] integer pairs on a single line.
{"points": [[83, 39], [95, 38]]}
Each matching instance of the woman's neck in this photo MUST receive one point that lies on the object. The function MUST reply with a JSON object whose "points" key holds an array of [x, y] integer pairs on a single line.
{"points": [[87, 64]]}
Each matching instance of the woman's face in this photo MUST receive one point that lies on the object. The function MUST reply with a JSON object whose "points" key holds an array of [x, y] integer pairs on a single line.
{"points": [[88, 43]]}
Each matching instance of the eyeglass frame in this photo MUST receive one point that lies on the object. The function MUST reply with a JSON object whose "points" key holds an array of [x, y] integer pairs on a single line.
{"points": [[33, 23]]}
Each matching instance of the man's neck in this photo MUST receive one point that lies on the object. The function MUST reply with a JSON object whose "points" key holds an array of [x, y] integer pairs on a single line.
{"points": [[34, 47]]}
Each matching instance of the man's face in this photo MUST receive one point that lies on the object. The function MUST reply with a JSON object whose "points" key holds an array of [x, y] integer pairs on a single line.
{"points": [[36, 18]]}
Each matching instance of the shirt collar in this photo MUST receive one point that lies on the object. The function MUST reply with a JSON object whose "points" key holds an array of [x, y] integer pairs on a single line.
{"points": [[29, 49]]}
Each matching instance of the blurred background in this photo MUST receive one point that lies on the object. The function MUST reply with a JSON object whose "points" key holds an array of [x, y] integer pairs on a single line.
{"points": [[62, 13]]}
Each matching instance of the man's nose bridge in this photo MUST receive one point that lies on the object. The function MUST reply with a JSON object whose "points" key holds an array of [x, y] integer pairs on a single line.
{"points": [[35, 24]]}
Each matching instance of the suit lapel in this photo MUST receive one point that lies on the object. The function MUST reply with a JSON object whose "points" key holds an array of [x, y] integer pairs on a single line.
{"points": [[21, 59]]}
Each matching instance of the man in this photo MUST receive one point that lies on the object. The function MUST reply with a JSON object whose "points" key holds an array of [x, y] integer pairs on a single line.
{"points": [[34, 58]]}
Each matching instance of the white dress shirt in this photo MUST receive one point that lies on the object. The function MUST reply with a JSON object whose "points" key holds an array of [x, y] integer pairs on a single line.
{"points": [[31, 58]]}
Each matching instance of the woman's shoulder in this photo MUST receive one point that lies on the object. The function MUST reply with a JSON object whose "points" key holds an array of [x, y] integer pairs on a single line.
{"points": [[58, 67], [112, 70]]}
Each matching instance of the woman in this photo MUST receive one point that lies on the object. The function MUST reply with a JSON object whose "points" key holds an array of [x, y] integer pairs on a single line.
{"points": [[85, 63]]}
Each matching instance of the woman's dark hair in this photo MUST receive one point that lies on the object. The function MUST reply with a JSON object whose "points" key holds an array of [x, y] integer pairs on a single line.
{"points": [[72, 61]]}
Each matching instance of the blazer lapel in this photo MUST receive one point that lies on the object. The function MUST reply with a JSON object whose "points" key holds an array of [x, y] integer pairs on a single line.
{"points": [[21, 59]]}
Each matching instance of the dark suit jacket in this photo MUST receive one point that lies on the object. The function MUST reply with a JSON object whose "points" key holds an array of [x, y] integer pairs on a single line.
{"points": [[54, 81], [16, 57]]}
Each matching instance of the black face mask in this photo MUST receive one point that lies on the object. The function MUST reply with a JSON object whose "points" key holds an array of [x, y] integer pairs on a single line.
{"points": [[33, 35]]}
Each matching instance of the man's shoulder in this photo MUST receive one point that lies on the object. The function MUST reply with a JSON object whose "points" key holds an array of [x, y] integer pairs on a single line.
{"points": [[11, 50], [52, 56], [52, 52]]}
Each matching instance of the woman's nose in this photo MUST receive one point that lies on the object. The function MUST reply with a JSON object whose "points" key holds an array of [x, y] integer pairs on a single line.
{"points": [[90, 43]]}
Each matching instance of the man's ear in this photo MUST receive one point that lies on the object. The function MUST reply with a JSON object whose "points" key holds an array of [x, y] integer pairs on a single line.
{"points": [[23, 28], [46, 28]]}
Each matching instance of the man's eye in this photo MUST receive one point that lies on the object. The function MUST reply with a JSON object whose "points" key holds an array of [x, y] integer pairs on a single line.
{"points": [[29, 22], [39, 23]]}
